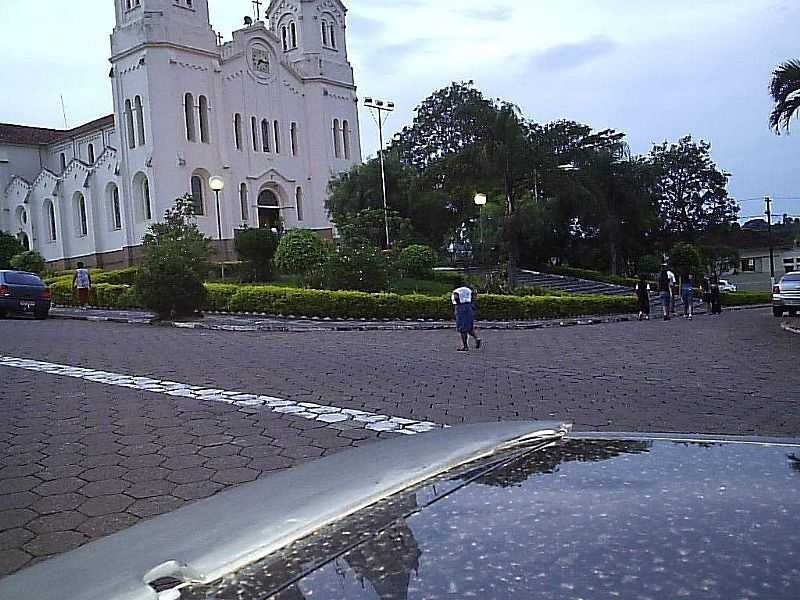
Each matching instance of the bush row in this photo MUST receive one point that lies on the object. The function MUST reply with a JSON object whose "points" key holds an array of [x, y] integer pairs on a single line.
{"points": [[360, 305], [746, 298]]}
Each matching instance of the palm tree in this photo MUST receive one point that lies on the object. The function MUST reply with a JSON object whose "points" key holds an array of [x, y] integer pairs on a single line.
{"points": [[785, 90]]}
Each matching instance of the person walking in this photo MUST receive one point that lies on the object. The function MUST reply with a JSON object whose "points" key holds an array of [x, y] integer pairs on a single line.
{"points": [[705, 293], [643, 296], [716, 298], [687, 296], [665, 292], [82, 281], [464, 309]]}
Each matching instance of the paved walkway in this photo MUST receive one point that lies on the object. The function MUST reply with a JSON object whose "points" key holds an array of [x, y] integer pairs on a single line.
{"points": [[104, 424]]}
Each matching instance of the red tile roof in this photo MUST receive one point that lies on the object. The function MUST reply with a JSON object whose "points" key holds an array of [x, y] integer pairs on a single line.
{"points": [[39, 136]]}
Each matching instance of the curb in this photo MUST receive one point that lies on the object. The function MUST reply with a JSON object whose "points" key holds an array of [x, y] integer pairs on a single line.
{"points": [[356, 326], [790, 328]]}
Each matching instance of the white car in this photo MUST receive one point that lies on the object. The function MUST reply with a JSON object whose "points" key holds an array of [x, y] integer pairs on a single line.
{"points": [[726, 286]]}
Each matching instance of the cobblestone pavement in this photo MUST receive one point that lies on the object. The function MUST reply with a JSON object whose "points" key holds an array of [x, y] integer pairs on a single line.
{"points": [[80, 459]]}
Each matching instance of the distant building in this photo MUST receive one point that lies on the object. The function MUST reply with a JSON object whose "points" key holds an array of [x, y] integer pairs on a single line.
{"points": [[273, 112]]}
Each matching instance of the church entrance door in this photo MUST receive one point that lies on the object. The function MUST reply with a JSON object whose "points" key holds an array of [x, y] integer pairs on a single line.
{"points": [[269, 211]]}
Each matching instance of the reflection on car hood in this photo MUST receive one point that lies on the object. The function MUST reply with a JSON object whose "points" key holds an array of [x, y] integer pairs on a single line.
{"points": [[585, 519]]}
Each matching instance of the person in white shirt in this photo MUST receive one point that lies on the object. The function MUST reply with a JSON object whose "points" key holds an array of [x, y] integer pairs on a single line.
{"points": [[464, 310], [82, 281]]}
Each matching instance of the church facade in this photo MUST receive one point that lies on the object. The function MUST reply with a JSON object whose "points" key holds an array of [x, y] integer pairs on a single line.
{"points": [[273, 112]]}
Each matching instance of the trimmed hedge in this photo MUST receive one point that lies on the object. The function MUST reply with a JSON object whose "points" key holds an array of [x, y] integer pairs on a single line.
{"points": [[746, 298]]}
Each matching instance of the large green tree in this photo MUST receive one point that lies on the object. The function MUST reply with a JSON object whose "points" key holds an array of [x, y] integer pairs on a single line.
{"points": [[690, 189], [785, 90]]}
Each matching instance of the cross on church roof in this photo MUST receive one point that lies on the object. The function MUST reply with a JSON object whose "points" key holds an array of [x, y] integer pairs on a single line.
{"points": [[219, 39], [257, 5]]}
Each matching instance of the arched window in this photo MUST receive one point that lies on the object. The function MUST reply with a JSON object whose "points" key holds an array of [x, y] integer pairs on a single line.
{"points": [[298, 200], [293, 33], [254, 127], [332, 35], [204, 134], [188, 111], [277, 127], [50, 221], [114, 209], [285, 38], [142, 205], [237, 130], [324, 33], [293, 135], [129, 124], [243, 202], [346, 138], [79, 205], [265, 135], [140, 121], [337, 140], [90, 151], [198, 206], [63, 158]]}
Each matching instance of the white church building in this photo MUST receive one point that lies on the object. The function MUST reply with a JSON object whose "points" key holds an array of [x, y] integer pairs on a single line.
{"points": [[272, 112]]}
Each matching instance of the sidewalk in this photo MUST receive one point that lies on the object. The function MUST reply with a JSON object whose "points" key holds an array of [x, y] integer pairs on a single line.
{"points": [[260, 322]]}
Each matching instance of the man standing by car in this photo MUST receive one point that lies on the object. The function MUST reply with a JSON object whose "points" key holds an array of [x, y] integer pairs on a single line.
{"points": [[82, 281]]}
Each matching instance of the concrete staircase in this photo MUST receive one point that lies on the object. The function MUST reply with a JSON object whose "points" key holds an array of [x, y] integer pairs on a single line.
{"points": [[573, 285]]}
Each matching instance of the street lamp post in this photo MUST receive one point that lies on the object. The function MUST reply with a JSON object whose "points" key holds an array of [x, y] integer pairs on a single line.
{"points": [[217, 184], [480, 202], [380, 107]]}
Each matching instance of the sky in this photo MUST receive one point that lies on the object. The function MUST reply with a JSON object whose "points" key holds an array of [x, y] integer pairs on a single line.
{"points": [[655, 70]]}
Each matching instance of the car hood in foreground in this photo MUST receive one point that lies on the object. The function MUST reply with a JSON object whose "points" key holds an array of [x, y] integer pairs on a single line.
{"points": [[631, 518]]}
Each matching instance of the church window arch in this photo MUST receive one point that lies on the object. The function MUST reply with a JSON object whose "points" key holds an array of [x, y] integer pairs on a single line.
{"points": [[63, 159], [188, 111], [298, 201], [129, 125], [140, 120], [346, 138], [243, 201], [237, 130], [204, 132], [285, 38], [293, 34], [114, 208], [198, 199], [337, 139], [277, 127], [50, 221], [265, 135], [90, 152], [332, 35], [143, 202], [324, 32], [254, 128], [293, 140], [79, 211]]}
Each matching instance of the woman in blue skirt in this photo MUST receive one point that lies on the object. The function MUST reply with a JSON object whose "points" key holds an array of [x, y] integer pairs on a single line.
{"points": [[465, 316]]}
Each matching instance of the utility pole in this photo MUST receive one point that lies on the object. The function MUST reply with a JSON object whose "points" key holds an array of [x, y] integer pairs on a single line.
{"points": [[381, 106], [771, 246]]}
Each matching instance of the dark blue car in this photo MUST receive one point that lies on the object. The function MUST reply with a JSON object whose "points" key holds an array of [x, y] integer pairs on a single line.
{"points": [[24, 293]]}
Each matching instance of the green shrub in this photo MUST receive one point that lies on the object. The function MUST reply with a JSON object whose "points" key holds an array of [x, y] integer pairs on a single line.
{"points": [[219, 295], [170, 279], [361, 268], [746, 298], [416, 261], [650, 264], [9, 248], [427, 287], [30, 261], [257, 247], [119, 277], [302, 252]]}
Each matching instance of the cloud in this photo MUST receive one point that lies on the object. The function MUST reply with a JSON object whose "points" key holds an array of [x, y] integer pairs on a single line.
{"points": [[569, 56], [498, 14]]}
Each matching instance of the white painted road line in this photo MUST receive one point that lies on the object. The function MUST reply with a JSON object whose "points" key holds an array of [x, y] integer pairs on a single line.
{"points": [[306, 410]]}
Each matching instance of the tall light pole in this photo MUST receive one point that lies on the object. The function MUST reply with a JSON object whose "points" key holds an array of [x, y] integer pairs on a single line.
{"points": [[380, 107], [217, 184], [771, 245], [480, 202]]}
